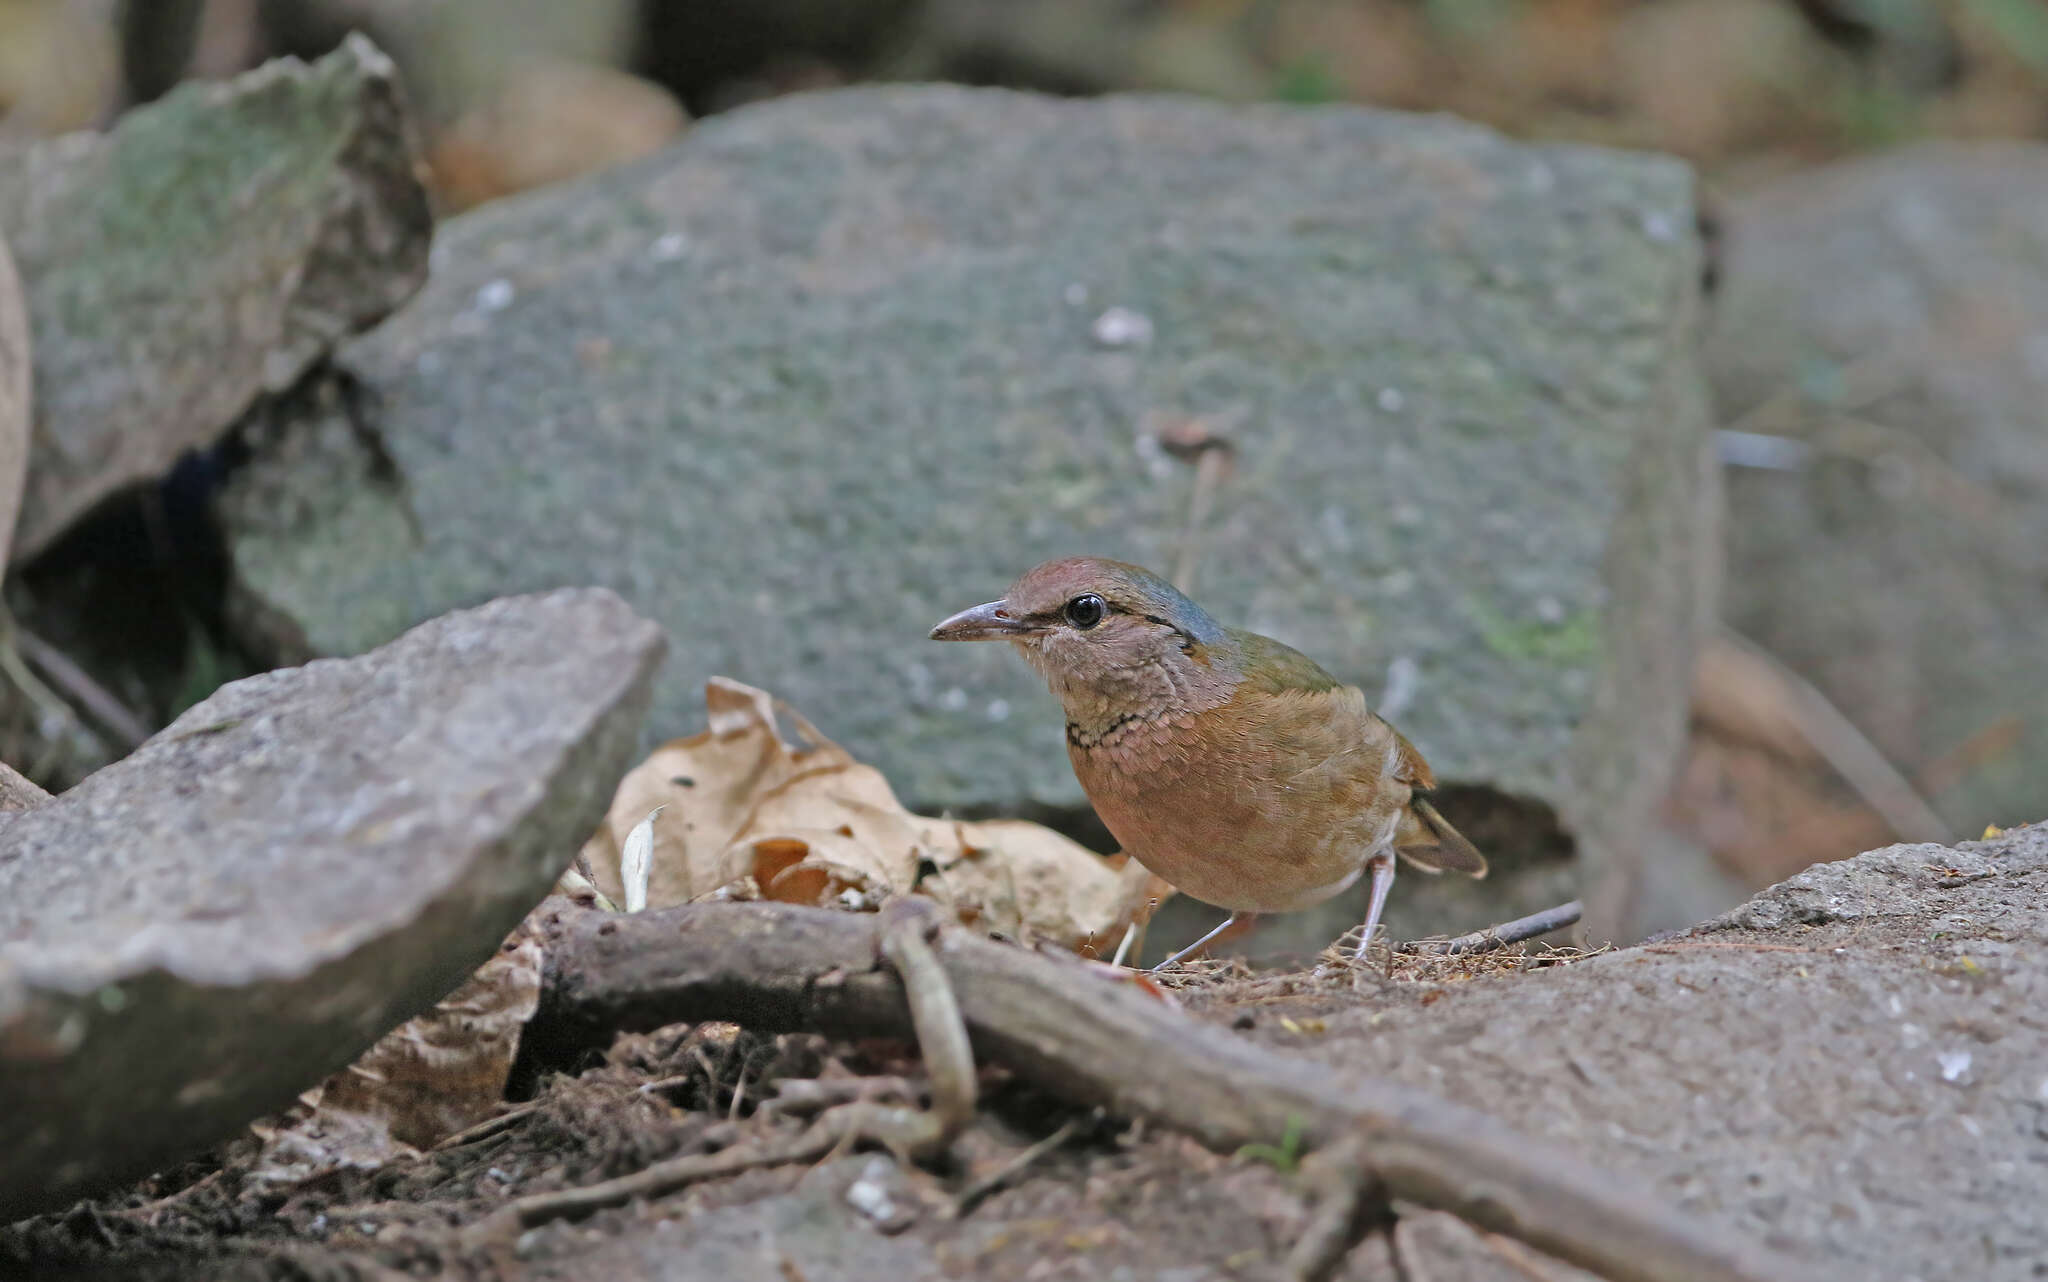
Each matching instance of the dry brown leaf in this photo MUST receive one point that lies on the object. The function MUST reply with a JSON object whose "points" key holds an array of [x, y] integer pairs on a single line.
{"points": [[745, 813], [430, 1077]]}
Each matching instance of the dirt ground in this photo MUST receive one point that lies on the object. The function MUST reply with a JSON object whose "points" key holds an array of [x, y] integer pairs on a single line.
{"points": [[1111, 1201], [1850, 1067]]}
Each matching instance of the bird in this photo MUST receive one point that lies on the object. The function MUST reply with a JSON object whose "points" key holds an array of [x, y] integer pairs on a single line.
{"points": [[1225, 762]]}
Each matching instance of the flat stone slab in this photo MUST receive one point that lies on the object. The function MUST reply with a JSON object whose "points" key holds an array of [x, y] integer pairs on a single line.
{"points": [[204, 252], [301, 862], [1853, 1065], [837, 365]]}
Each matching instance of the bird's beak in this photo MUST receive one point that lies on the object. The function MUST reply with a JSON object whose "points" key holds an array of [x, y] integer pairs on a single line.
{"points": [[990, 622]]}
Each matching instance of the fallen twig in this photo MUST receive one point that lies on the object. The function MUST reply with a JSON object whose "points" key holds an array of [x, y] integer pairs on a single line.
{"points": [[1351, 1203], [490, 1126], [1506, 934], [941, 1033], [1010, 1170], [805, 1096], [780, 967], [56, 666], [1518, 1257], [901, 1130], [1838, 741], [1407, 1264]]}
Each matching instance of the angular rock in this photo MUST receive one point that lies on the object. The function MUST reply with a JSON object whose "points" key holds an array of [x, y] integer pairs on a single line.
{"points": [[204, 253], [309, 857], [18, 792], [837, 365], [1853, 1065], [1891, 315]]}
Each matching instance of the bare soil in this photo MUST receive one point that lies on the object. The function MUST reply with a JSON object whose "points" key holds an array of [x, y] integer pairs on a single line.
{"points": [[1850, 1067]]}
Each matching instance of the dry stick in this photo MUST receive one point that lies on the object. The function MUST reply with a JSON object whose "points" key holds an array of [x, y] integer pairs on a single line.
{"points": [[490, 1126], [781, 967], [665, 1083], [1010, 1170], [1518, 1256], [802, 1095], [941, 1033], [895, 1128], [1504, 935], [59, 670], [1210, 464], [1407, 1264], [1352, 1204], [909, 1132], [1845, 748]]}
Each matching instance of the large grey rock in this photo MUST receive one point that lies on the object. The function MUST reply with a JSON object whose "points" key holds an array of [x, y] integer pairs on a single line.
{"points": [[1853, 1065], [301, 862], [205, 252], [837, 365], [1892, 314]]}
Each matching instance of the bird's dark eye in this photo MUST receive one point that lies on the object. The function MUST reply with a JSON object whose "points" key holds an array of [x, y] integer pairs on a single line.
{"points": [[1086, 610]]}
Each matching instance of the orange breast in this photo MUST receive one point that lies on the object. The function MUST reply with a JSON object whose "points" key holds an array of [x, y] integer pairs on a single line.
{"points": [[1264, 808]]}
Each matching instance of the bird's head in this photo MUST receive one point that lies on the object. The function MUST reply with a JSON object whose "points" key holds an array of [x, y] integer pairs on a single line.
{"points": [[1094, 626]]}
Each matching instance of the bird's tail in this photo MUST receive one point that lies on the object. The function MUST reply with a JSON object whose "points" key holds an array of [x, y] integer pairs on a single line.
{"points": [[1427, 840]]}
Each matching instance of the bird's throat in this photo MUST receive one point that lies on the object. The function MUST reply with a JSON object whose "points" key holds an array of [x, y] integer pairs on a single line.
{"points": [[1143, 699]]}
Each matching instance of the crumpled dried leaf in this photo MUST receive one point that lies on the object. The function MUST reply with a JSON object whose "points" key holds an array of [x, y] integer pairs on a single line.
{"points": [[430, 1077], [745, 814]]}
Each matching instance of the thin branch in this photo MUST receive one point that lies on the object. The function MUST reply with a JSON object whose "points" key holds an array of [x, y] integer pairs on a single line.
{"points": [[894, 1128], [807, 1096], [1844, 747], [1407, 1264], [781, 967], [1211, 462], [941, 1033], [1351, 1204], [57, 668], [971, 1195], [1505, 935], [490, 1126], [1518, 1256]]}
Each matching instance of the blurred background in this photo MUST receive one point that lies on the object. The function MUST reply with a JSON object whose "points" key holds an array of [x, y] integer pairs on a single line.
{"points": [[519, 92], [1821, 726]]}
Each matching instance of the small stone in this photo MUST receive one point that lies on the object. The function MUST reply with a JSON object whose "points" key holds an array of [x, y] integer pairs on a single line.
{"points": [[494, 297], [880, 1194], [1122, 327]]}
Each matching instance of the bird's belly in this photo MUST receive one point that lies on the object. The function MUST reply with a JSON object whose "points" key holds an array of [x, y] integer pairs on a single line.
{"points": [[1231, 843]]}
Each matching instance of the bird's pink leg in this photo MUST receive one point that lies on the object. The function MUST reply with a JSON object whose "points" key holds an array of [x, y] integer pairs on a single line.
{"points": [[1196, 947], [1382, 866]]}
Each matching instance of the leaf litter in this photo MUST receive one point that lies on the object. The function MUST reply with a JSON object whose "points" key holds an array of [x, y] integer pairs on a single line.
{"points": [[433, 1076], [738, 812]]}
